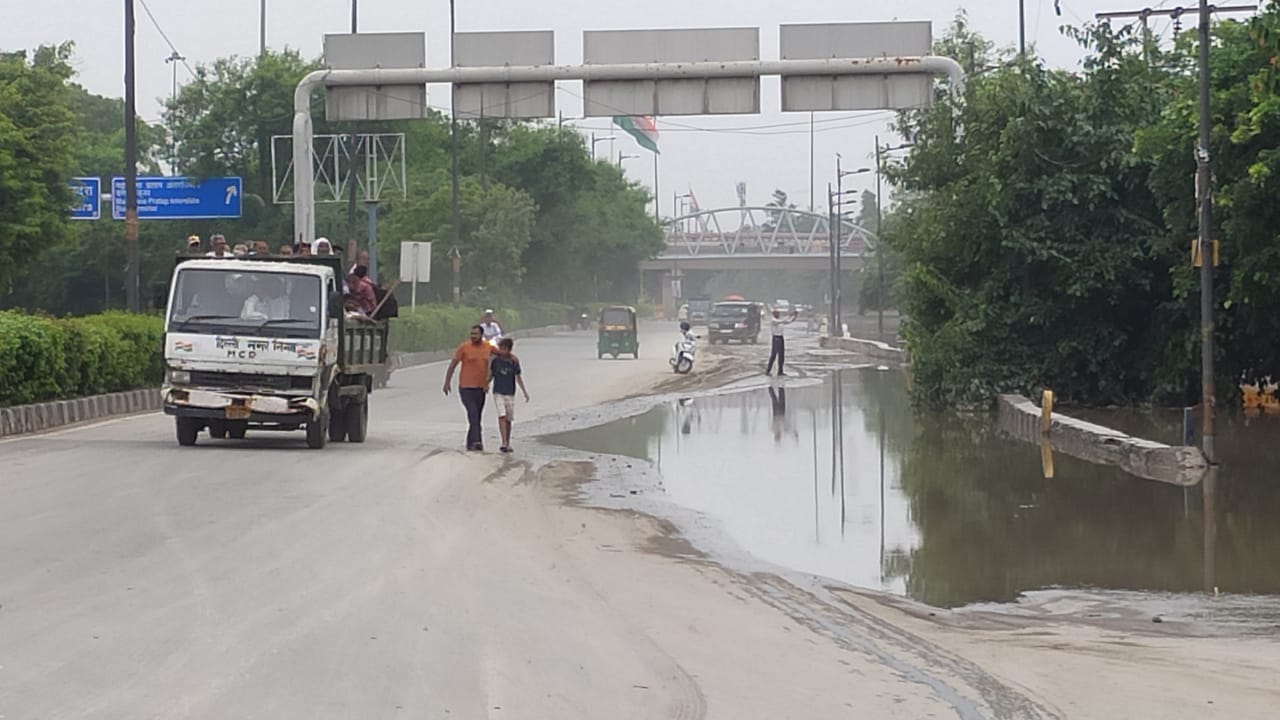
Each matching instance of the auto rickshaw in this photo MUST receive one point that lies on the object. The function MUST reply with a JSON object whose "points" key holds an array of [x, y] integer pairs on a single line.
{"points": [[617, 335]]}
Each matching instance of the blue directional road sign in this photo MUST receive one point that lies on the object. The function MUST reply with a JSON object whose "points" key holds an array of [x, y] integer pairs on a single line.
{"points": [[88, 204], [180, 198]]}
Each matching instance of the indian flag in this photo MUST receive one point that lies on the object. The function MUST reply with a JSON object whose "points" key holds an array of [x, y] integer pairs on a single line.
{"points": [[642, 128]]}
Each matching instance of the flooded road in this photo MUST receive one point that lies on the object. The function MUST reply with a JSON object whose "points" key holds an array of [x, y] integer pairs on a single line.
{"points": [[840, 478]]}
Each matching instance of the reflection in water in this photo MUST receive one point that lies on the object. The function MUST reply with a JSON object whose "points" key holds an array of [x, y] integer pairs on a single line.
{"points": [[939, 507]]}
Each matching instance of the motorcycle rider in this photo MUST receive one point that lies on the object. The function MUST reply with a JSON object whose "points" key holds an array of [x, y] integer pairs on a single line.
{"points": [[686, 336]]}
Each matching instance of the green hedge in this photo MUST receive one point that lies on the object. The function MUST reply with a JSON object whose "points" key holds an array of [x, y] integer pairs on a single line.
{"points": [[45, 358], [442, 327]]}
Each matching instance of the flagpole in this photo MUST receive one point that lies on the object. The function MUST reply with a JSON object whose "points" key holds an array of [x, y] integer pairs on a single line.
{"points": [[656, 217]]}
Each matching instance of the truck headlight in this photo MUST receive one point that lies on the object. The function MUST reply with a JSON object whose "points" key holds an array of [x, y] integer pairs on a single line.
{"points": [[179, 377], [740, 326]]}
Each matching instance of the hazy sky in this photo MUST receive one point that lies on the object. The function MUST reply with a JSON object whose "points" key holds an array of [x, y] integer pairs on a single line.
{"points": [[703, 153]]}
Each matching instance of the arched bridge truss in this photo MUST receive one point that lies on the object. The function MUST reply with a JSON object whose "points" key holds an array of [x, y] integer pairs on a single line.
{"points": [[761, 231]]}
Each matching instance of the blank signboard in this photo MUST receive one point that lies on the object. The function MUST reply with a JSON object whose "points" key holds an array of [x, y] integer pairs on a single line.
{"points": [[375, 50], [502, 49], [694, 96], [890, 91]]}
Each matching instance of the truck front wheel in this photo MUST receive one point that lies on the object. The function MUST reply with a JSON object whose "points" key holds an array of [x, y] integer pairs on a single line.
{"points": [[357, 421], [188, 430], [318, 431]]}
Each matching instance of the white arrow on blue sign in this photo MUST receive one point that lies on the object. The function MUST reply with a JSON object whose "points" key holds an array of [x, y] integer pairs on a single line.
{"points": [[88, 205], [180, 198]]}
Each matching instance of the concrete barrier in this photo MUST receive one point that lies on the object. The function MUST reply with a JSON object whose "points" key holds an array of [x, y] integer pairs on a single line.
{"points": [[1020, 418], [869, 348], [58, 413], [38, 417]]}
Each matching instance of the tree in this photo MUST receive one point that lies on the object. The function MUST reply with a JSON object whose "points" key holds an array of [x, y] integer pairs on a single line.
{"points": [[37, 133], [1032, 238]]}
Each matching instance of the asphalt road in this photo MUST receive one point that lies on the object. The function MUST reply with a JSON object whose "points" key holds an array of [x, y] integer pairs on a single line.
{"points": [[261, 579]]}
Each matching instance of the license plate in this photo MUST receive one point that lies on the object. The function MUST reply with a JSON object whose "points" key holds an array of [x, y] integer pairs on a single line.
{"points": [[238, 412]]}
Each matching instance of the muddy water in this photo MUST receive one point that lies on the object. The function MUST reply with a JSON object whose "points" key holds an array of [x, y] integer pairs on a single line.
{"points": [[841, 479]]}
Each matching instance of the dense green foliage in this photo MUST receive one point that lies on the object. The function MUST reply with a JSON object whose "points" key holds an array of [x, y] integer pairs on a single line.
{"points": [[36, 138], [44, 358], [1046, 221]]}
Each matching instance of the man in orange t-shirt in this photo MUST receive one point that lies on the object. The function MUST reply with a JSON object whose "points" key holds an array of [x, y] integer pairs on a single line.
{"points": [[473, 381]]}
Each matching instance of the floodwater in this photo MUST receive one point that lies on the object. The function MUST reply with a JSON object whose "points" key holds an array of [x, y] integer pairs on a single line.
{"points": [[842, 479]]}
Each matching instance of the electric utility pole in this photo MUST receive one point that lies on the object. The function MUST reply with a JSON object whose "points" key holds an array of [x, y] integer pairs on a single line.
{"points": [[1204, 204]]}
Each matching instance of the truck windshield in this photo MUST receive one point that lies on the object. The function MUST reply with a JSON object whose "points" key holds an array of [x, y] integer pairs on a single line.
{"points": [[249, 303], [730, 311]]}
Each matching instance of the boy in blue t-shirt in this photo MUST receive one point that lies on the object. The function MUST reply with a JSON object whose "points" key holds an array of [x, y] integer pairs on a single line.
{"points": [[504, 369]]}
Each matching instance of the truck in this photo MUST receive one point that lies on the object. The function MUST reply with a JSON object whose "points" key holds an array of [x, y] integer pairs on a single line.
{"points": [[263, 343], [699, 309]]}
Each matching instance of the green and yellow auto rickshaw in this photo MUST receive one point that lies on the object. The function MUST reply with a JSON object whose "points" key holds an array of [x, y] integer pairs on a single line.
{"points": [[617, 335]]}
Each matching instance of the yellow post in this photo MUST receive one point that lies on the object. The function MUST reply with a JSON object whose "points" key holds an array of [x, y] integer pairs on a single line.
{"points": [[1046, 412], [1046, 458]]}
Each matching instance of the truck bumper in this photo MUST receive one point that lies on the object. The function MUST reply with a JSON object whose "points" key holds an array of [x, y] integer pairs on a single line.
{"points": [[216, 405]]}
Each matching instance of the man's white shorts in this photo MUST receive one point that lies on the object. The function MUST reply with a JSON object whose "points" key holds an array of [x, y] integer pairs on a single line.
{"points": [[506, 406]]}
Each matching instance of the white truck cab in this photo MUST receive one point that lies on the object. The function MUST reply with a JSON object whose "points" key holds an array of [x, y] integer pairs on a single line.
{"points": [[265, 343]]}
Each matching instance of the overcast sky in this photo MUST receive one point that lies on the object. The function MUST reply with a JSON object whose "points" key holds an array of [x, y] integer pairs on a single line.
{"points": [[702, 153]]}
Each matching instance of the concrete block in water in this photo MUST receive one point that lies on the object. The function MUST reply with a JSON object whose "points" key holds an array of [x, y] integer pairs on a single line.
{"points": [[1180, 465]]}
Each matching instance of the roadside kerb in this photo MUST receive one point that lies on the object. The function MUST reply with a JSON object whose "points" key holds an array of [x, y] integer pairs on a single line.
{"points": [[870, 348]]}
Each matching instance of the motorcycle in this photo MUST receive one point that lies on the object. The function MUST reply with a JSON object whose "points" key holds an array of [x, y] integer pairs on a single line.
{"points": [[682, 353]]}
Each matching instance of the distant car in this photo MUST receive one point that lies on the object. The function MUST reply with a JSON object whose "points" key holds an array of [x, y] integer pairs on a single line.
{"points": [[783, 306]]}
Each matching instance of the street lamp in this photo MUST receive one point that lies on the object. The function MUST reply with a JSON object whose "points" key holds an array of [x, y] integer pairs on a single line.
{"points": [[624, 156], [880, 152], [595, 140], [173, 60], [677, 208], [834, 226]]}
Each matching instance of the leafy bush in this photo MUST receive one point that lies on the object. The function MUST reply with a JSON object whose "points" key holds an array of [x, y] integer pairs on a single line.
{"points": [[46, 359], [32, 358]]}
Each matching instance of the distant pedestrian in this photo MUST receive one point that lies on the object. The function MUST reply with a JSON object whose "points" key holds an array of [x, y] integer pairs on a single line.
{"points": [[193, 245], [286, 250], [777, 328], [504, 369], [473, 382], [240, 250], [492, 330]]}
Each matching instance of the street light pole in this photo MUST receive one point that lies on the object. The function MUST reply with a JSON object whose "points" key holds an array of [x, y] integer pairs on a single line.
{"points": [[879, 253], [835, 233], [455, 230], [624, 156], [594, 140], [1204, 177], [262, 28], [132, 255], [173, 60], [1022, 28]]}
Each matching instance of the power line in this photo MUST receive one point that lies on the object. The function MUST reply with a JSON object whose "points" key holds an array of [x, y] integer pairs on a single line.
{"points": [[165, 36]]}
